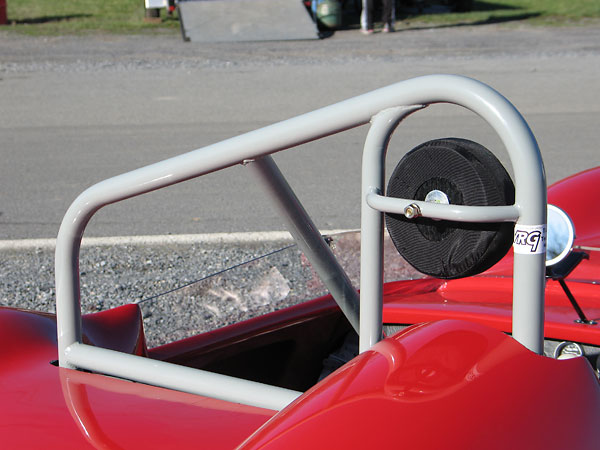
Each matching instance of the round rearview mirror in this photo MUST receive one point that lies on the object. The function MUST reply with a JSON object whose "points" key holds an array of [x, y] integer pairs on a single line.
{"points": [[561, 234]]}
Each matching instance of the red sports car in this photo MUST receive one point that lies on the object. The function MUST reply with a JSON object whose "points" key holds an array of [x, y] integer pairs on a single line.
{"points": [[496, 346]]}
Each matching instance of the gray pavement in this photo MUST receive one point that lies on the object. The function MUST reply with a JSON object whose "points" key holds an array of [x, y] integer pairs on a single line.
{"points": [[76, 110]]}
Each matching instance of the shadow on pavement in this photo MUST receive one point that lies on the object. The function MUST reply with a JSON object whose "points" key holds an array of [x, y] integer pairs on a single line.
{"points": [[407, 10]]}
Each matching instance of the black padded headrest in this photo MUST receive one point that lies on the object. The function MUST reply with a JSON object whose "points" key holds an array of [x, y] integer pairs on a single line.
{"points": [[455, 171]]}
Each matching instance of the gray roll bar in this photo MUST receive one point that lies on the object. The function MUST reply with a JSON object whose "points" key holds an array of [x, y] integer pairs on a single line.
{"points": [[384, 108], [309, 240]]}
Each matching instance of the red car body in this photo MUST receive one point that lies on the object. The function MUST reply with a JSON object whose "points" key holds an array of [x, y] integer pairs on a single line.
{"points": [[448, 374], [453, 380]]}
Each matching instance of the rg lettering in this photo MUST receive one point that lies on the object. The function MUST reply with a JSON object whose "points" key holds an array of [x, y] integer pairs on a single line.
{"points": [[530, 238]]}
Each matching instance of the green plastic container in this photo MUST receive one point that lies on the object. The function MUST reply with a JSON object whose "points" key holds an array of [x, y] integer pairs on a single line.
{"points": [[329, 14]]}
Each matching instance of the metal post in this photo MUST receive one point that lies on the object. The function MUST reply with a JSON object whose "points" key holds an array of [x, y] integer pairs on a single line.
{"points": [[308, 238], [371, 244], [380, 106]]}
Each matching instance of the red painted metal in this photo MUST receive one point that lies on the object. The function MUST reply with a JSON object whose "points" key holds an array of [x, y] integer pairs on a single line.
{"points": [[449, 384], [573, 194], [487, 300], [44, 406]]}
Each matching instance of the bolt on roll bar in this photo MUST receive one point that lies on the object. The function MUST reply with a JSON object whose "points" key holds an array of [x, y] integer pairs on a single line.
{"points": [[384, 108]]}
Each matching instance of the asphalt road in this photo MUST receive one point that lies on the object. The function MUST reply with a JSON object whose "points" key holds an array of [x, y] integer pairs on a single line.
{"points": [[76, 110]]}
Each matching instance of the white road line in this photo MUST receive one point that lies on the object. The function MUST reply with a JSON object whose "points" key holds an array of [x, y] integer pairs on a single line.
{"points": [[208, 238]]}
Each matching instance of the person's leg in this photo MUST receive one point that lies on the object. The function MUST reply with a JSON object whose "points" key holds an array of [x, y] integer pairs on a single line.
{"points": [[388, 15], [386, 12], [366, 16]]}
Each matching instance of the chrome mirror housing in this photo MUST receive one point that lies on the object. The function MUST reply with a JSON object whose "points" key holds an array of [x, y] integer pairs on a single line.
{"points": [[561, 234]]}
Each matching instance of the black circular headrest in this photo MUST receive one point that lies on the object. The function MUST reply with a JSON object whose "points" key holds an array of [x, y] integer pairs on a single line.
{"points": [[454, 171]]}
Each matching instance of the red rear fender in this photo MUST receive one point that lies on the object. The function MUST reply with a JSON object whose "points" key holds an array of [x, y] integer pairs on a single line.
{"points": [[448, 384]]}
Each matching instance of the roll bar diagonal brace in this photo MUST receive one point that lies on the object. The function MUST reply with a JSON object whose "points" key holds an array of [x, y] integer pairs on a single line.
{"points": [[384, 108]]}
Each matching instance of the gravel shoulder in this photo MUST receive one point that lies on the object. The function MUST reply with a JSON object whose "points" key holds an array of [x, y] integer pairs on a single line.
{"points": [[184, 289], [108, 52]]}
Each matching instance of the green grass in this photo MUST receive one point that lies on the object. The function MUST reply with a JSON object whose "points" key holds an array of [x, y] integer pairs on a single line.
{"points": [[57, 17]]}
